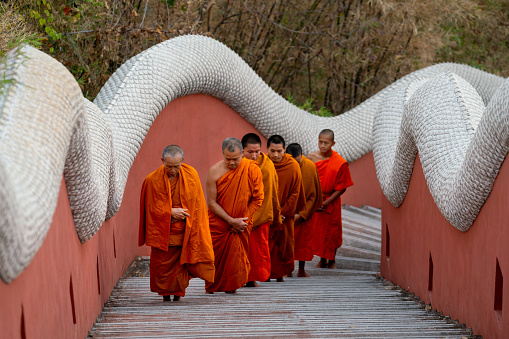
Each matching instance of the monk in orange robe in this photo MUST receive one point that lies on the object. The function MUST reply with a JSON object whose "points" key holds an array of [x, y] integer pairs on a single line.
{"points": [[174, 222], [234, 193], [291, 199], [304, 218], [334, 178], [267, 214]]}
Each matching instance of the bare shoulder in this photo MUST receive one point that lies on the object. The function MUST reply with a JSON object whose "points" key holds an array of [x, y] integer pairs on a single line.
{"points": [[214, 172], [314, 156]]}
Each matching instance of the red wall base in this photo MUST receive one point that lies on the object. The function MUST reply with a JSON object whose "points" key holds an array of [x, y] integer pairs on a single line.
{"points": [[464, 265]]}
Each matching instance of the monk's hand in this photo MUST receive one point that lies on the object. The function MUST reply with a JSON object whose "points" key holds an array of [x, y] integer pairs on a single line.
{"points": [[297, 218], [238, 224], [179, 213], [323, 207], [282, 218]]}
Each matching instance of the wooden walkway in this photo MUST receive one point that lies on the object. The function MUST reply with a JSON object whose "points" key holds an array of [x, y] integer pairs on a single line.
{"points": [[342, 303]]}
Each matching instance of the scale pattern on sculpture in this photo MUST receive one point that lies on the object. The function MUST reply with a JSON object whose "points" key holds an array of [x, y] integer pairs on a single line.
{"points": [[453, 115]]}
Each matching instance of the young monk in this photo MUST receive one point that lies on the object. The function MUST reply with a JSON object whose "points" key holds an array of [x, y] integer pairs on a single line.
{"points": [[335, 178], [269, 213], [234, 193], [304, 218], [174, 222], [291, 199]]}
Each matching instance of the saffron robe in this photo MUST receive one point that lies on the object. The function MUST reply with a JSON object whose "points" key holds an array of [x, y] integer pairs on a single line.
{"points": [[313, 196], [291, 198], [259, 251], [182, 249], [327, 230], [239, 193]]}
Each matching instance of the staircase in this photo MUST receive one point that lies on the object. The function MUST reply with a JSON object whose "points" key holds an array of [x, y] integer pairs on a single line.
{"points": [[360, 252]]}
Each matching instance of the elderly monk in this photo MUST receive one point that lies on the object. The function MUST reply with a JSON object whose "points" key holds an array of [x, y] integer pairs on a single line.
{"points": [[304, 218], [334, 178], [269, 213], [174, 222], [291, 199], [234, 193]]}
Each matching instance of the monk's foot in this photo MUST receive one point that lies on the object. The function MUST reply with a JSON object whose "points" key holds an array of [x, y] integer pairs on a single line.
{"points": [[268, 280], [302, 274], [176, 298], [280, 279], [167, 297], [289, 275], [207, 292], [231, 292], [322, 263], [252, 284], [332, 264]]}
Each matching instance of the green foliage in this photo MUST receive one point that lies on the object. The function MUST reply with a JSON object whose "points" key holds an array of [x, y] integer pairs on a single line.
{"points": [[308, 106]]}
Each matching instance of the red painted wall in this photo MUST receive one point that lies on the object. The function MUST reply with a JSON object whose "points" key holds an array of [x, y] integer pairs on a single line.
{"points": [[366, 189], [464, 264], [38, 303]]}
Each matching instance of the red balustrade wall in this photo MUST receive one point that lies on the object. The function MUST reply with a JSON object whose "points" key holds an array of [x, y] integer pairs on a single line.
{"points": [[366, 189], [62, 291], [460, 273]]}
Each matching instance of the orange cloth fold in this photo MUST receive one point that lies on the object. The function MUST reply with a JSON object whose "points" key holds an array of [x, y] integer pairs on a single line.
{"points": [[291, 198], [259, 253], [240, 193], [181, 249], [303, 229], [270, 209], [327, 230]]}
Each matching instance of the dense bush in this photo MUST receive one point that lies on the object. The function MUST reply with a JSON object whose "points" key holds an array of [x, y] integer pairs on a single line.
{"points": [[326, 55]]}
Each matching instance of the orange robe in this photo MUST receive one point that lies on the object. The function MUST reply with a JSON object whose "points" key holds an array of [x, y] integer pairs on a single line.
{"points": [[259, 251], [182, 249], [314, 199], [328, 232], [291, 198], [240, 193]]}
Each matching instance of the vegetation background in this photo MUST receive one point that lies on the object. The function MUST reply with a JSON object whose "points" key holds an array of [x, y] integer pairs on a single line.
{"points": [[326, 56]]}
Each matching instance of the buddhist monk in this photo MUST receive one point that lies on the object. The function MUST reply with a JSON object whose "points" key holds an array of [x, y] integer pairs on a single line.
{"points": [[269, 213], [234, 193], [174, 222], [335, 178], [304, 218], [291, 199]]}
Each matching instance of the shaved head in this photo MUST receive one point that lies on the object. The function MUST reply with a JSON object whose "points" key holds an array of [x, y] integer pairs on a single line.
{"points": [[294, 150], [231, 145], [276, 139], [251, 138], [173, 151], [328, 133]]}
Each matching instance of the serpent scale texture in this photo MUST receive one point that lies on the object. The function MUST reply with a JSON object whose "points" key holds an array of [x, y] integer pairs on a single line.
{"points": [[453, 115]]}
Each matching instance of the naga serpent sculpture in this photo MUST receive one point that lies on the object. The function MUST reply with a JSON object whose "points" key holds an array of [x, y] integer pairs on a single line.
{"points": [[454, 116]]}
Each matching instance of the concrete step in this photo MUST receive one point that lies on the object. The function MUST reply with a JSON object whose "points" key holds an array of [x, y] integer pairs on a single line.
{"points": [[358, 264], [341, 306], [354, 252], [363, 211], [361, 219], [361, 243], [369, 232], [372, 209]]}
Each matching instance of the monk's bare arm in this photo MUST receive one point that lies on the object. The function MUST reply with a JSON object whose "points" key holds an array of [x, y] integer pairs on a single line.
{"points": [[333, 197], [238, 224]]}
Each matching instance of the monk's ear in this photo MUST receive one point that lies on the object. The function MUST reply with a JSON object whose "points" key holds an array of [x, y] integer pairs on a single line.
{"points": [[333, 143], [162, 160]]}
